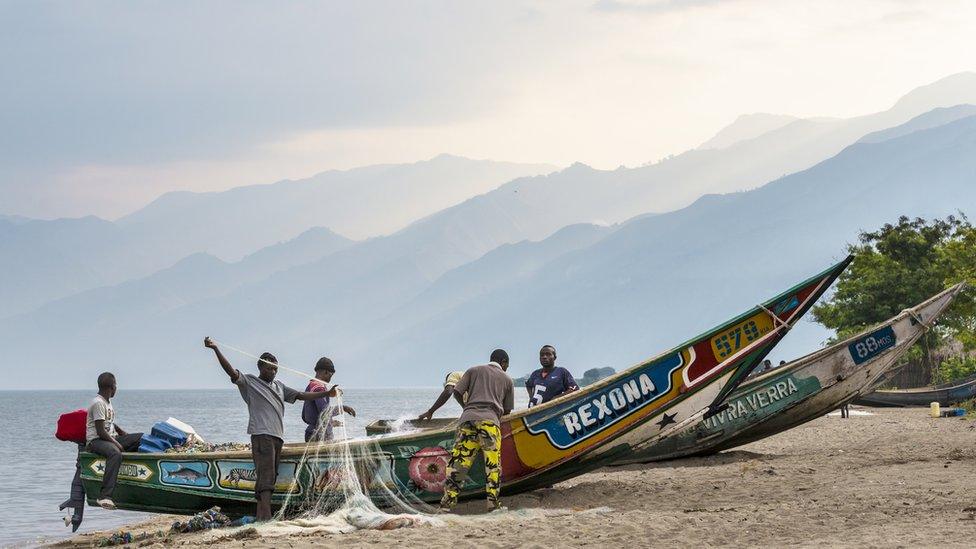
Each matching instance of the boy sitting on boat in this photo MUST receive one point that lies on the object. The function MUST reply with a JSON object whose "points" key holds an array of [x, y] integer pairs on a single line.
{"points": [[265, 397], [105, 438]]}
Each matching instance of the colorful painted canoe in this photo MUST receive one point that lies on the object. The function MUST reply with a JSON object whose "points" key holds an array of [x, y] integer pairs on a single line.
{"points": [[945, 394], [774, 318], [804, 389], [540, 446]]}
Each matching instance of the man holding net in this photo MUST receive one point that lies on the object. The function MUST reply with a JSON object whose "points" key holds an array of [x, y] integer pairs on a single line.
{"points": [[490, 395], [317, 414], [265, 397]]}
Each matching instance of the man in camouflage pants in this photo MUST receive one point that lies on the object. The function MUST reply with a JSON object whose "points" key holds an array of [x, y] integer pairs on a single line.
{"points": [[491, 394]]}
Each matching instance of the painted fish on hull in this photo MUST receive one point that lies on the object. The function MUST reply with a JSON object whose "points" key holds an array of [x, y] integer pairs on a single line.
{"points": [[185, 473], [189, 473]]}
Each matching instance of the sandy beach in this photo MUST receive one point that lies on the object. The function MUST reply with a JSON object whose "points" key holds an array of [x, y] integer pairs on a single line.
{"points": [[897, 478]]}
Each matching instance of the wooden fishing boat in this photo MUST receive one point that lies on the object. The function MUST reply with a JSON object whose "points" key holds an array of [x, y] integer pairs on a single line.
{"points": [[802, 390], [945, 394], [540, 446]]}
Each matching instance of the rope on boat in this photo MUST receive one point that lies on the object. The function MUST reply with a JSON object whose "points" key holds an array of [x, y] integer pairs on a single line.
{"points": [[776, 319], [259, 359], [344, 434], [914, 314]]}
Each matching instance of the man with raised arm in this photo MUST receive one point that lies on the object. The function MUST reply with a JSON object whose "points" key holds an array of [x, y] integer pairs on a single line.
{"points": [[491, 394], [105, 438], [265, 397], [550, 381]]}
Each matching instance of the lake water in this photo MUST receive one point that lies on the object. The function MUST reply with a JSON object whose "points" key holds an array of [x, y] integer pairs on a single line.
{"points": [[36, 469]]}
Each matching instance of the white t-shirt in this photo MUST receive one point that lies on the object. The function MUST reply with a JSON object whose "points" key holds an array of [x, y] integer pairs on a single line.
{"points": [[453, 379], [100, 409]]}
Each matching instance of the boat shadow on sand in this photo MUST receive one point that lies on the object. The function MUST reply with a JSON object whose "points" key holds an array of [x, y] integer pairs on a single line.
{"points": [[711, 460]]}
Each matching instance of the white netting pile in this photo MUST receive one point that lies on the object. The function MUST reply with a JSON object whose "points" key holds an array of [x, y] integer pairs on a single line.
{"points": [[349, 476]]}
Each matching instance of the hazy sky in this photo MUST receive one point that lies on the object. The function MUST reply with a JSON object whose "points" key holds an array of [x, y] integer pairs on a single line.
{"points": [[108, 104]]}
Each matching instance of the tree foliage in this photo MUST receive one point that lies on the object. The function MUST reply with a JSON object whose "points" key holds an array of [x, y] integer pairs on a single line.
{"points": [[901, 265]]}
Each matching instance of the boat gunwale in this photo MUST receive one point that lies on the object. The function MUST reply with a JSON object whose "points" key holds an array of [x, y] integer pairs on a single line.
{"points": [[966, 382]]}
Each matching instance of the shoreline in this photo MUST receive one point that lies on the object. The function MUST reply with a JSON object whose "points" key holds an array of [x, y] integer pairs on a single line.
{"points": [[893, 478]]}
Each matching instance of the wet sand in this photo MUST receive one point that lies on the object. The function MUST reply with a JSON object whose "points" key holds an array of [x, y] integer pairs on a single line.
{"points": [[895, 478]]}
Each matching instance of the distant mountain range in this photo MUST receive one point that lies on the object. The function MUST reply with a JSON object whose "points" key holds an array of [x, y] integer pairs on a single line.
{"points": [[655, 281], [603, 296], [580, 194], [106, 310], [598, 263], [47, 260], [358, 203], [745, 127]]}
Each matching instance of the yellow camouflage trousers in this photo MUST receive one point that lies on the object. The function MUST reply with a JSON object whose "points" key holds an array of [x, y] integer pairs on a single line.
{"points": [[470, 437]]}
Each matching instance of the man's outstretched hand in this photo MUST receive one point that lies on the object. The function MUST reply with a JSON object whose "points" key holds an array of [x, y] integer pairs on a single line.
{"points": [[209, 343], [425, 416]]}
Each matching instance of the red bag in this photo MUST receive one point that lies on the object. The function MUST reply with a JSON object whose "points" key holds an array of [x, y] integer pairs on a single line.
{"points": [[72, 426]]}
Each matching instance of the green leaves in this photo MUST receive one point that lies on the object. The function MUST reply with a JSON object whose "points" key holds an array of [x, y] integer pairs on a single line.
{"points": [[900, 265]]}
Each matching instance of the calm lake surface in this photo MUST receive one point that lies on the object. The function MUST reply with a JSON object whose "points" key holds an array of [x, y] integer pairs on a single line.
{"points": [[36, 469]]}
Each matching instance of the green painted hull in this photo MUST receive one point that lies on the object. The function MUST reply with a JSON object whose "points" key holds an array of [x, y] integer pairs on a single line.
{"points": [[147, 482]]}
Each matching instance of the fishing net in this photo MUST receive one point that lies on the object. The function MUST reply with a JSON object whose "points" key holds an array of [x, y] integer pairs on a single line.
{"points": [[344, 485], [349, 485], [345, 482]]}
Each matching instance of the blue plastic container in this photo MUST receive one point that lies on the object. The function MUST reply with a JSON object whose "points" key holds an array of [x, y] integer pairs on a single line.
{"points": [[172, 435], [152, 444]]}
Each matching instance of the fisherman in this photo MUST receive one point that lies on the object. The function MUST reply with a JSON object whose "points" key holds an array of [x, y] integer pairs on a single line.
{"points": [[265, 398], [450, 381], [550, 381], [491, 394], [313, 410], [105, 438]]}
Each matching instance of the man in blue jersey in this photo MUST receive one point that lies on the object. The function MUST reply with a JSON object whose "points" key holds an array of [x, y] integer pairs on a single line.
{"points": [[550, 381]]}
